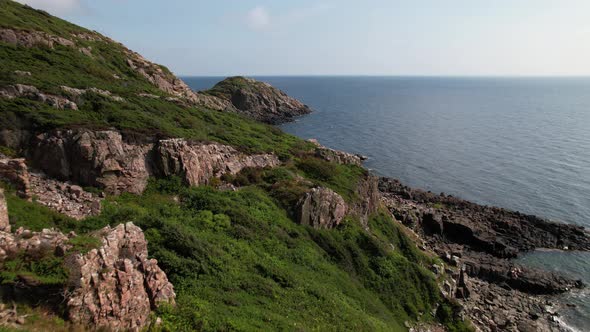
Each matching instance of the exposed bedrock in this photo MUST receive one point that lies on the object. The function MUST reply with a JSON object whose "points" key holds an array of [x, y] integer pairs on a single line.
{"points": [[105, 159], [116, 286], [321, 208], [483, 239], [497, 231]]}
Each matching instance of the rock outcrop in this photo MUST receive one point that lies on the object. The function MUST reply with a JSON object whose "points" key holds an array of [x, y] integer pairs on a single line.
{"points": [[93, 158], [321, 208], [32, 38], [497, 231], [31, 92], [197, 163], [167, 82], [77, 93], [4, 221], [336, 156], [15, 172], [104, 159], [116, 286], [368, 198], [483, 239], [258, 100]]}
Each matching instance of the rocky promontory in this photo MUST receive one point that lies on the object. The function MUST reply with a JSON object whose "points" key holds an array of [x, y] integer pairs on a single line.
{"points": [[258, 100]]}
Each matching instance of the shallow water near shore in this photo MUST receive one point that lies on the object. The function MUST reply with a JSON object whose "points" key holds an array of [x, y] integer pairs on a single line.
{"points": [[518, 143], [575, 306]]}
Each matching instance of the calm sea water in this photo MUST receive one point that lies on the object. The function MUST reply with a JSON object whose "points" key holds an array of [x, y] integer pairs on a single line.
{"points": [[518, 143]]}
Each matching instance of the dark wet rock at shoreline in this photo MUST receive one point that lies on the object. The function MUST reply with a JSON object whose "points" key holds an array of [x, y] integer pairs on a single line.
{"points": [[496, 293], [499, 232]]}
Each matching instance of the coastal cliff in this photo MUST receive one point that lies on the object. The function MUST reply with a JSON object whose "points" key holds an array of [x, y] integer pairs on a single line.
{"points": [[131, 202]]}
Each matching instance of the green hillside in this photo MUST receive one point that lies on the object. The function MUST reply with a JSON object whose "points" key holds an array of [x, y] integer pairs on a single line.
{"points": [[237, 259]]}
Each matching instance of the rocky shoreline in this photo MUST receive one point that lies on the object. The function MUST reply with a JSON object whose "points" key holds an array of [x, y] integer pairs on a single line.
{"points": [[478, 245]]}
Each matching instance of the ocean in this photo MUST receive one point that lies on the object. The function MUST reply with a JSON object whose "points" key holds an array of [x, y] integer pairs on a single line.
{"points": [[517, 143]]}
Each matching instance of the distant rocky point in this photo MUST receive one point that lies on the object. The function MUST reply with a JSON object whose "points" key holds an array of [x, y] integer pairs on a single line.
{"points": [[258, 100]]}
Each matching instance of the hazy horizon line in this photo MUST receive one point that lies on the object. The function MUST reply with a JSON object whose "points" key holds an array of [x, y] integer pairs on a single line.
{"points": [[392, 75]]}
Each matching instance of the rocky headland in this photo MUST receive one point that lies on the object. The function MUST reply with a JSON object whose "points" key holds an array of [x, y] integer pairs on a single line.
{"points": [[258, 100], [127, 144]]}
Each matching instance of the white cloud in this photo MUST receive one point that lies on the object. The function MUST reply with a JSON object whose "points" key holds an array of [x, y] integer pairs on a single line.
{"points": [[54, 6], [258, 18]]}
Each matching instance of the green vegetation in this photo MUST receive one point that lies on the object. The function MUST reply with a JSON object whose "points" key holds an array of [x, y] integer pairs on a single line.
{"points": [[26, 18], [225, 88], [43, 268], [238, 262]]}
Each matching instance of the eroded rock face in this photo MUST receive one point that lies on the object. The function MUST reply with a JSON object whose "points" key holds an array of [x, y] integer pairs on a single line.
{"points": [[95, 158], [321, 208], [104, 159], [258, 100], [15, 172], [197, 163], [4, 221], [368, 198], [116, 286], [31, 92]]}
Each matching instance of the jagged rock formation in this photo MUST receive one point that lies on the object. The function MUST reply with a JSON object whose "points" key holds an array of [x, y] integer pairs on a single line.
{"points": [[15, 172], [31, 92], [197, 163], [95, 158], [367, 198], [104, 159], [4, 221], [258, 100], [116, 286], [336, 156], [321, 208], [167, 82]]}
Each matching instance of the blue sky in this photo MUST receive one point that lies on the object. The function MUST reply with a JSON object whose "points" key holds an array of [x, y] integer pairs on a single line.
{"points": [[329, 37]]}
